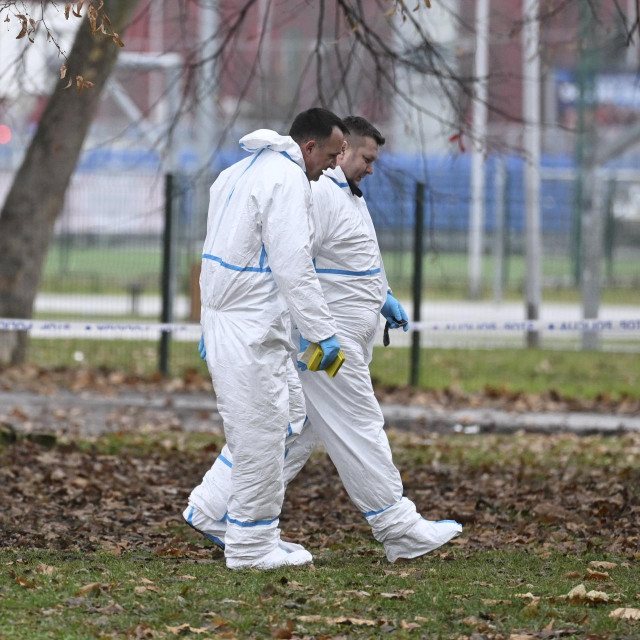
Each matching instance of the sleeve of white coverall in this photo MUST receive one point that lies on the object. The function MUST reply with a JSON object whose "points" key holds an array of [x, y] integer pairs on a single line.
{"points": [[285, 233]]}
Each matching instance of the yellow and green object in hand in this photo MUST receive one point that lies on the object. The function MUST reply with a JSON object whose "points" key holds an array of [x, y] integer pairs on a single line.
{"points": [[313, 355]]}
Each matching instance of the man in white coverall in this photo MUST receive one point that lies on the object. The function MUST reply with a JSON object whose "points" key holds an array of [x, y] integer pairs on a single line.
{"points": [[343, 412], [257, 276]]}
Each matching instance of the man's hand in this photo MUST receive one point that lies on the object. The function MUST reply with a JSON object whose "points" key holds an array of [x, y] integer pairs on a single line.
{"points": [[330, 348], [394, 314]]}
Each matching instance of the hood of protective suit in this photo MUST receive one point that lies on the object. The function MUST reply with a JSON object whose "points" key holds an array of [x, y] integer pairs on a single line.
{"points": [[267, 139]]}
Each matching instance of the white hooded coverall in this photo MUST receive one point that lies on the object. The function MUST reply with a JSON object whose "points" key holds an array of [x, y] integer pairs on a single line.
{"points": [[256, 275], [343, 412]]}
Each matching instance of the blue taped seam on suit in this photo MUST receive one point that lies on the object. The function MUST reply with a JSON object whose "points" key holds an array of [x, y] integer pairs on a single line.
{"points": [[209, 536], [340, 184], [235, 267], [343, 272], [289, 430], [288, 157], [257, 523], [232, 190], [368, 514], [225, 461]]}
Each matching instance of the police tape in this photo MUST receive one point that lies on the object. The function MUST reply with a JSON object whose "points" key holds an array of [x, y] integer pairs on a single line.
{"points": [[187, 330]]}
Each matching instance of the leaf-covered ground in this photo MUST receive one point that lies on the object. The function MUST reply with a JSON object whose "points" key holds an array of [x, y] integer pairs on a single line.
{"points": [[105, 513], [92, 543]]}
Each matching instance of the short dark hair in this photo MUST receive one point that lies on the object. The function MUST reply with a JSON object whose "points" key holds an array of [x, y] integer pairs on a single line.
{"points": [[315, 124], [359, 126]]}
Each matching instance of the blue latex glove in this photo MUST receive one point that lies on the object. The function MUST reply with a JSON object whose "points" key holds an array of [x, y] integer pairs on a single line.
{"points": [[201, 348], [394, 313], [330, 348]]}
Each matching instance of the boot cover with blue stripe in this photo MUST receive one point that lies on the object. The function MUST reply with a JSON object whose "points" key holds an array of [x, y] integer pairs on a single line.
{"points": [[214, 530], [279, 557], [423, 537]]}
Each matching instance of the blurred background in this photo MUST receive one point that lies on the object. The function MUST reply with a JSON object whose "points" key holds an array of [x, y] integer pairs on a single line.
{"points": [[508, 189]]}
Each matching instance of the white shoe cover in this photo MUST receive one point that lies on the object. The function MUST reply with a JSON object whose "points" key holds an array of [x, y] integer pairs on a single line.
{"points": [[423, 537], [276, 558], [211, 529], [214, 530]]}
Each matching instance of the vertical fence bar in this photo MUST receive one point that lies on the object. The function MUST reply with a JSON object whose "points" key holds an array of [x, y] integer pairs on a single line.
{"points": [[499, 235], [414, 375], [168, 272]]}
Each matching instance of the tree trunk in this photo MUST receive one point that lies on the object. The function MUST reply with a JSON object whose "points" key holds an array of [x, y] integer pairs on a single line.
{"points": [[36, 196]]}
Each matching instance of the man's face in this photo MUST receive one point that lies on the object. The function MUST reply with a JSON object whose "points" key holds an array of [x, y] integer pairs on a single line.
{"points": [[357, 161], [321, 156]]}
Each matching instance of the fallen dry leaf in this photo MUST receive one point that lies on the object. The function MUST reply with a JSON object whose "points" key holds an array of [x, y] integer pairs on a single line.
{"points": [[602, 564], [93, 588], [580, 595], [409, 625], [23, 582], [596, 575], [625, 613], [186, 628], [344, 620]]}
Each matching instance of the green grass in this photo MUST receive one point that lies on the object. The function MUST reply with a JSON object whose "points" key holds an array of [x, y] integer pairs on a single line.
{"points": [[104, 269], [165, 576], [576, 374], [140, 593]]}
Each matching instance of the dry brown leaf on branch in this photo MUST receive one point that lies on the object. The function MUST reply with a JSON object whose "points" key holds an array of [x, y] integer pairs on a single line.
{"points": [[83, 84], [23, 31], [67, 10], [93, 16], [63, 70]]}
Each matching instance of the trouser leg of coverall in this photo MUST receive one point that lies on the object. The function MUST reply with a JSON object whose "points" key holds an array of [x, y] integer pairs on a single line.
{"points": [[211, 496], [347, 418], [253, 401]]}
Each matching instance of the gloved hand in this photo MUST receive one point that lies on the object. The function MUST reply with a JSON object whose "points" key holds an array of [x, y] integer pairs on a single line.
{"points": [[201, 348], [330, 348], [394, 313]]}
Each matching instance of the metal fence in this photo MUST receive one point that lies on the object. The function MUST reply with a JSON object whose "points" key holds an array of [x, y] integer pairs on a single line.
{"points": [[107, 259]]}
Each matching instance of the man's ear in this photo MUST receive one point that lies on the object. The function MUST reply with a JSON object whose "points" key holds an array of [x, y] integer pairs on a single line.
{"points": [[308, 146], [345, 146]]}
